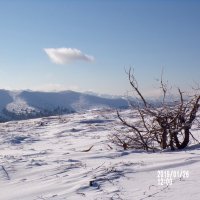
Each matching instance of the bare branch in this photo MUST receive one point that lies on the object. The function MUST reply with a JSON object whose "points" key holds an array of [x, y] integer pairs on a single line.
{"points": [[159, 127], [134, 84]]}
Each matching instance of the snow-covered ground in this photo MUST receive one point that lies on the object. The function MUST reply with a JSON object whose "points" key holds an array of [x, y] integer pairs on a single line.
{"points": [[70, 157]]}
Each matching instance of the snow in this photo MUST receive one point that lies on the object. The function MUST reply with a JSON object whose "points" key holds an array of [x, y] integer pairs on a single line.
{"points": [[19, 105], [49, 159]]}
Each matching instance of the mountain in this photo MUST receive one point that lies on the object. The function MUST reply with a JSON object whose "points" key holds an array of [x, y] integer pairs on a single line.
{"points": [[15, 105]]}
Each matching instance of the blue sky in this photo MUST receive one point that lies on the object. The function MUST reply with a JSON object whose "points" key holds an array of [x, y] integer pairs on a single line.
{"points": [[85, 45]]}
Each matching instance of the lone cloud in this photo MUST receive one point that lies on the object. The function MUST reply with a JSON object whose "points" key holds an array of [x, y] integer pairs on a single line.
{"points": [[66, 55]]}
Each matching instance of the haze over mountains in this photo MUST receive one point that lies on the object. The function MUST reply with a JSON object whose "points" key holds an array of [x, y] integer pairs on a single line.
{"points": [[15, 105]]}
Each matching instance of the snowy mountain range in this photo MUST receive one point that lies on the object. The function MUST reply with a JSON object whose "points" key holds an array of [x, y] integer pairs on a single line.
{"points": [[15, 105]]}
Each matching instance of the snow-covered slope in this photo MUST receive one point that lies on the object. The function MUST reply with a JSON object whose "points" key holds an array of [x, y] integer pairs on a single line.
{"points": [[70, 158], [28, 104], [18, 104]]}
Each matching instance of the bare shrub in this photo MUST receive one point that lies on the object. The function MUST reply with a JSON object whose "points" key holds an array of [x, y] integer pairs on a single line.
{"points": [[159, 127]]}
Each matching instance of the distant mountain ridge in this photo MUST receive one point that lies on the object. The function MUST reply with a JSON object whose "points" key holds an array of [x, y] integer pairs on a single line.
{"points": [[15, 105]]}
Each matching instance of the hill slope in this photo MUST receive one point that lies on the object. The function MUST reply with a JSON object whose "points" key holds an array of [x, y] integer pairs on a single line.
{"points": [[29, 104]]}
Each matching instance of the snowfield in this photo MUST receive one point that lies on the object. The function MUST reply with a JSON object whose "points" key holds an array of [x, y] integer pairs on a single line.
{"points": [[70, 157]]}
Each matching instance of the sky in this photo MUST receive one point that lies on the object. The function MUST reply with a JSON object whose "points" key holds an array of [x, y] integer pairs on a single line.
{"points": [[54, 45]]}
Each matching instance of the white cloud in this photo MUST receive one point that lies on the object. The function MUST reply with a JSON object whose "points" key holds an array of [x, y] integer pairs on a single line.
{"points": [[55, 87], [153, 92], [66, 55]]}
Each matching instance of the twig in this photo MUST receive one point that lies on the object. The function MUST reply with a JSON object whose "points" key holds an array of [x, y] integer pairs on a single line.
{"points": [[194, 138], [7, 175], [87, 149], [155, 193], [99, 166]]}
